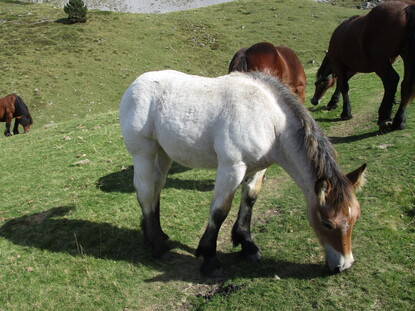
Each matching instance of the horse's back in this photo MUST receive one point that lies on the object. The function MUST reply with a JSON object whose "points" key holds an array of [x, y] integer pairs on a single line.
{"points": [[7, 106], [279, 61], [361, 40], [291, 70], [198, 120]]}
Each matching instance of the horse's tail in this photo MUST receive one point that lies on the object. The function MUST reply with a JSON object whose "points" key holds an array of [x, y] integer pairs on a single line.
{"points": [[410, 17], [22, 110]]}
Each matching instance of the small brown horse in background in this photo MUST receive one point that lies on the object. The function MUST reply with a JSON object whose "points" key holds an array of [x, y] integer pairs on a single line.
{"points": [[278, 61], [371, 43], [13, 106]]}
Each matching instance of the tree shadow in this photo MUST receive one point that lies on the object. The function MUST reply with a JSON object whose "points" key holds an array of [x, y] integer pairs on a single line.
{"points": [[122, 181], [64, 21], [53, 231], [17, 2]]}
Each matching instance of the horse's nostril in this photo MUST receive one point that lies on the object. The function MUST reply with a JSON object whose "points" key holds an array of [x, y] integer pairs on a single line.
{"points": [[336, 270]]}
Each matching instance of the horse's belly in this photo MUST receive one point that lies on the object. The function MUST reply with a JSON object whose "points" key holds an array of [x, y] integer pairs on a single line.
{"points": [[190, 156]]}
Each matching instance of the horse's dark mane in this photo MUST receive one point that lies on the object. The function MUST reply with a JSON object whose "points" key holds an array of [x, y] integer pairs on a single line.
{"points": [[324, 64], [22, 110], [350, 19], [321, 153]]}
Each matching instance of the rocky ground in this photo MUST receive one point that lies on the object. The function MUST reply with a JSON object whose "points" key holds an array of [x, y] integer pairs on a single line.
{"points": [[140, 6]]}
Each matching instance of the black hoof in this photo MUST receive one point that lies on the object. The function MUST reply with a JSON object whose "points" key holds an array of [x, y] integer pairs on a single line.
{"points": [[211, 267], [252, 257], [398, 126], [250, 251], [345, 117], [385, 126], [160, 251], [331, 107]]}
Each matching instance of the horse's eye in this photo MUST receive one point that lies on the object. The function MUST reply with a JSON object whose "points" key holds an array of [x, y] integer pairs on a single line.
{"points": [[326, 224]]}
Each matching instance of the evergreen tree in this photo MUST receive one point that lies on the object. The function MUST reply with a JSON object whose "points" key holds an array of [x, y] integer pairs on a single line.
{"points": [[76, 10]]}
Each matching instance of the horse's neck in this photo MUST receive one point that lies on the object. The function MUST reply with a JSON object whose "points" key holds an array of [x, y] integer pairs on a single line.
{"points": [[292, 157]]}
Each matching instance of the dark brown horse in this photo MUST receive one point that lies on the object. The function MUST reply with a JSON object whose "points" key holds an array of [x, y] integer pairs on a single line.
{"points": [[278, 61], [371, 43], [13, 106]]}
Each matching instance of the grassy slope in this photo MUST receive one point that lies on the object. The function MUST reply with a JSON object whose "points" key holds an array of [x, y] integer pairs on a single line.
{"points": [[67, 70], [70, 236]]}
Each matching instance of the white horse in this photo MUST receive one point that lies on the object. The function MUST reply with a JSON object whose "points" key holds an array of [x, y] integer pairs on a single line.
{"points": [[238, 124]]}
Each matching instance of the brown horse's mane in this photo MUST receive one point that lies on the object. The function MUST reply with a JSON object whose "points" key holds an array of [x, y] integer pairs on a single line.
{"points": [[350, 19], [320, 151]]}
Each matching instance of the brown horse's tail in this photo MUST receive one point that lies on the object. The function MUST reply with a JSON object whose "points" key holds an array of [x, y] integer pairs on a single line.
{"points": [[410, 17]]}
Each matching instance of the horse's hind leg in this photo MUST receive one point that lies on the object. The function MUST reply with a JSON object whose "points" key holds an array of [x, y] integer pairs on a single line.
{"points": [[150, 172], [407, 94], [9, 118], [163, 164], [390, 80], [241, 232], [227, 181]]}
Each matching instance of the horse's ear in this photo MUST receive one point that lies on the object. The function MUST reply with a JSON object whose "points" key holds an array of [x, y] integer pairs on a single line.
{"points": [[357, 177], [322, 188]]}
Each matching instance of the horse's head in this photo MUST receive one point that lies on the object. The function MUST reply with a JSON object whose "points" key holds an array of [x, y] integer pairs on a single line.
{"points": [[334, 215], [325, 80], [26, 121]]}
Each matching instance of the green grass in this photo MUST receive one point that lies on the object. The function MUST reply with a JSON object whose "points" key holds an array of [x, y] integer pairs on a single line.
{"points": [[69, 233]]}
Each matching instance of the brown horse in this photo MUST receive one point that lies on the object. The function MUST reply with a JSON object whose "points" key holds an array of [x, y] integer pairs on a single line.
{"points": [[278, 61], [13, 106], [371, 43]]}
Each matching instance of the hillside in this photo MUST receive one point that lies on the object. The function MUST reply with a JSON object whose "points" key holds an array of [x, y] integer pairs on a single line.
{"points": [[72, 71]]}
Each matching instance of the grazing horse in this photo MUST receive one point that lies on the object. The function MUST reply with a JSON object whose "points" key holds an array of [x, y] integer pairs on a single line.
{"points": [[278, 61], [371, 43], [238, 124], [13, 106]]}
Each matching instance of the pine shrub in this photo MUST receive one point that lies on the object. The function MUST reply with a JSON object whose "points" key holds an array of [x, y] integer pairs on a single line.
{"points": [[76, 10]]}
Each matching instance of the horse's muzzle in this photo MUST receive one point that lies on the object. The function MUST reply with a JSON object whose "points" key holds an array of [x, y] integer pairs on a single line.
{"points": [[336, 261], [315, 101]]}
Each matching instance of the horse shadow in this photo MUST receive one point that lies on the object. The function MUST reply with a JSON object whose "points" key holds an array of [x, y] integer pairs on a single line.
{"points": [[350, 139], [122, 181], [53, 231]]}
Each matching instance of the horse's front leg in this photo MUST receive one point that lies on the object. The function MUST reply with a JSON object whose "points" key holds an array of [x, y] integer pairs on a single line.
{"points": [[149, 178], [347, 109], [227, 181], [241, 232], [16, 127], [332, 104]]}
